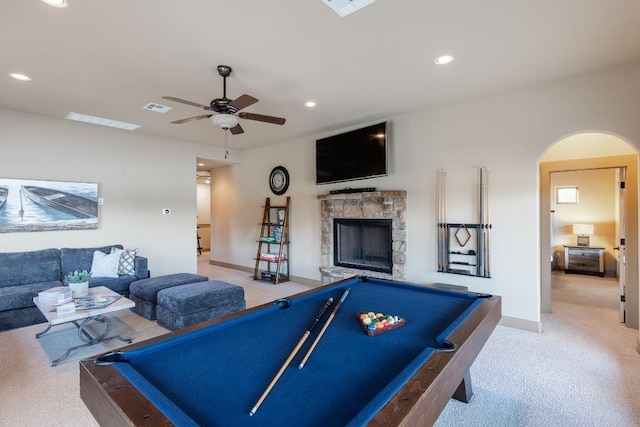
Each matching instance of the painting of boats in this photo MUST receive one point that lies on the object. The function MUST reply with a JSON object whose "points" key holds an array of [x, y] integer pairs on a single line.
{"points": [[71, 204], [36, 205], [4, 192]]}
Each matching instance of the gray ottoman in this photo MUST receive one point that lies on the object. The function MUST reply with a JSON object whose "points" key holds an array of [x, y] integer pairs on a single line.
{"points": [[145, 292], [186, 305]]}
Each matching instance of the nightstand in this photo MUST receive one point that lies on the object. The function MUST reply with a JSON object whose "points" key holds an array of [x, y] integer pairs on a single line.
{"points": [[584, 260]]}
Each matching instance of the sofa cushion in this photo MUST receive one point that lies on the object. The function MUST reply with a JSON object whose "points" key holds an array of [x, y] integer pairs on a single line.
{"points": [[72, 259], [12, 297], [118, 284], [11, 319], [141, 266], [106, 265], [127, 261], [19, 268]]}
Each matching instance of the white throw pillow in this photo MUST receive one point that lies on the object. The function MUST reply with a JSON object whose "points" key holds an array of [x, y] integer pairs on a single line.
{"points": [[127, 261], [105, 265]]}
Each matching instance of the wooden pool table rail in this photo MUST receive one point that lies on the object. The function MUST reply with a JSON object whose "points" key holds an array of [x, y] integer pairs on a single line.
{"points": [[444, 376]]}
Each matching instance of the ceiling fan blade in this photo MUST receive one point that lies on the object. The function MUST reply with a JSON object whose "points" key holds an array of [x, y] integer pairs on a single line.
{"points": [[236, 130], [263, 118], [195, 104], [191, 119], [243, 101]]}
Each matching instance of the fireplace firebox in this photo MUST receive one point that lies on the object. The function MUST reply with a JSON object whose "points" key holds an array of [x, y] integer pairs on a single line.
{"points": [[364, 244]]}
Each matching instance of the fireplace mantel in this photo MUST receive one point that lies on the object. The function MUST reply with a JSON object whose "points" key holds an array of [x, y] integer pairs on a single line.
{"points": [[390, 204]]}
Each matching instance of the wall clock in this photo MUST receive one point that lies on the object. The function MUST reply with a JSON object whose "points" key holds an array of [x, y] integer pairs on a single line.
{"points": [[279, 180]]}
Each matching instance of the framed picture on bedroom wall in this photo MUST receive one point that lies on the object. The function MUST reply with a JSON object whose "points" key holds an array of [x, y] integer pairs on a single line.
{"points": [[33, 205]]}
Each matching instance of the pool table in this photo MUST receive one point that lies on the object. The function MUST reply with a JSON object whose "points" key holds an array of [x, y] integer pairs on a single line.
{"points": [[212, 374]]}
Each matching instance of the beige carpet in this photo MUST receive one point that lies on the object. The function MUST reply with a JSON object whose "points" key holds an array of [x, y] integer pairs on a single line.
{"points": [[583, 370], [32, 393], [583, 367]]}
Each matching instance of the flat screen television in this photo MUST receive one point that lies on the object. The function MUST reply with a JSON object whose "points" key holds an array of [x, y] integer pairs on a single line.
{"points": [[358, 154]]}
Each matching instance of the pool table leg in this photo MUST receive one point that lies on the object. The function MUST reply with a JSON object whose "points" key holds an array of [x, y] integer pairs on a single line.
{"points": [[464, 392]]}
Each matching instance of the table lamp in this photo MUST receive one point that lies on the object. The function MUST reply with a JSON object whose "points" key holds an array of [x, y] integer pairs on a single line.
{"points": [[583, 231]]}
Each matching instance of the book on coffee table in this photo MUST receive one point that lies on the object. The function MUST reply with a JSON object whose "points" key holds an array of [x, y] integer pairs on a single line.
{"points": [[92, 302]]}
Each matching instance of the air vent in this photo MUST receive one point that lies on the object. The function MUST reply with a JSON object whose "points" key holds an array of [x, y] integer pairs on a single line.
{"points": [[159, 108], [203, 174]]}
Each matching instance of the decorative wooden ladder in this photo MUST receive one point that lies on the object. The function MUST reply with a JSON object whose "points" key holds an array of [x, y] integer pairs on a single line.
{"points": [[274, 232]]}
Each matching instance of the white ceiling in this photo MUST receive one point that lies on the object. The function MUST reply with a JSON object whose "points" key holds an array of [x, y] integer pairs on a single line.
{"points": [[110, 58]]}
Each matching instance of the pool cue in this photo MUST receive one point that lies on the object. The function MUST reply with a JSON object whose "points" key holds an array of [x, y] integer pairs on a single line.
{"points": [[291, 356], [324, 328]]}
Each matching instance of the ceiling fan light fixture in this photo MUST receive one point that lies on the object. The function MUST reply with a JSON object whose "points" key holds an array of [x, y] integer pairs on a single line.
{"points": [[224, 121]]}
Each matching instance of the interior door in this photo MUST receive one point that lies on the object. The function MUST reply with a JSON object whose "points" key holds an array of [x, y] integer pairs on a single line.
{"points": [[621, 241]]}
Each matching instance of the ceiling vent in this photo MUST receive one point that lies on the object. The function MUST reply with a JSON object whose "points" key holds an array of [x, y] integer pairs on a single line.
{"points": [[346, 7], [158, 108]]}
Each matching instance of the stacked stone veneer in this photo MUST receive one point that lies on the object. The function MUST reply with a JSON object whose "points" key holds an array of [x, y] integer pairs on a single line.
{"points": [[371, 205]]}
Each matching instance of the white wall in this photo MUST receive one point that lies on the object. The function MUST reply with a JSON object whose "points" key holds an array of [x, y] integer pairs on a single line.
{"points": [[203, 205], [137, 176], [506, 132]]}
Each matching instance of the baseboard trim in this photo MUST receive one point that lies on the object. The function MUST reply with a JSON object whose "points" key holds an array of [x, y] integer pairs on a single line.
{"points": [[301, 280], [526, 325]]}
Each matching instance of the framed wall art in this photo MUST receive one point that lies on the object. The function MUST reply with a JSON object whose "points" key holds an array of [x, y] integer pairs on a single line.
{"points": [[31, 205]]}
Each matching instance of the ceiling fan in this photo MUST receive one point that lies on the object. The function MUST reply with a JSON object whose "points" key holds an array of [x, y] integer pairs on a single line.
{"points": [[226, 112]]}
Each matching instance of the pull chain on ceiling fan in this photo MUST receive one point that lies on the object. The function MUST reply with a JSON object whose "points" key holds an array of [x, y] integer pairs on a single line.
{"points": [[226, 112], [226, 143]]}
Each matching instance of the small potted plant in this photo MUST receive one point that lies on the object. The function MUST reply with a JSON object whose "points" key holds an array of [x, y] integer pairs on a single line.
{"points": [[78, 283]]}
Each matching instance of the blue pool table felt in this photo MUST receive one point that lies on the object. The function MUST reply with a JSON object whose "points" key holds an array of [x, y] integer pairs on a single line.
{"points": [[214, 376]]}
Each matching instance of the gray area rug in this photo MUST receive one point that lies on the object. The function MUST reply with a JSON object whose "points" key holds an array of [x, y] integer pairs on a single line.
{"points": [[62, 337]]}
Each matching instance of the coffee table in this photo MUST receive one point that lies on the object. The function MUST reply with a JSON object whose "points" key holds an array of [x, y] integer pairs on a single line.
{"points": [[82, 317]]}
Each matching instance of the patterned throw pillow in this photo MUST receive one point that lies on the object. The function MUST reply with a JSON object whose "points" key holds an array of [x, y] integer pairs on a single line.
{"points": [[126, 265], [104, 265]]}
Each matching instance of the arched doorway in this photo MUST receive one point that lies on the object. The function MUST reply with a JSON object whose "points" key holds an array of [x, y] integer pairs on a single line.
{"points": [[590, 151]]}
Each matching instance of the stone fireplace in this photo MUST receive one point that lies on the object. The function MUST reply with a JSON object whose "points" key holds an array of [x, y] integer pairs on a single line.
{"points": [[377, 205]]}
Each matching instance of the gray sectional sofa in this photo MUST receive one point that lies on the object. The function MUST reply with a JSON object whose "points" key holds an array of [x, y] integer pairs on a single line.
{"points": [[24, 274]]}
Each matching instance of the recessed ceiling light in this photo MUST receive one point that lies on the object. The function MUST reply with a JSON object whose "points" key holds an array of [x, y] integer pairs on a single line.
{"points": [[56, 3], [100, 121], [444, 59], [19, 76], [310, 104]]}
